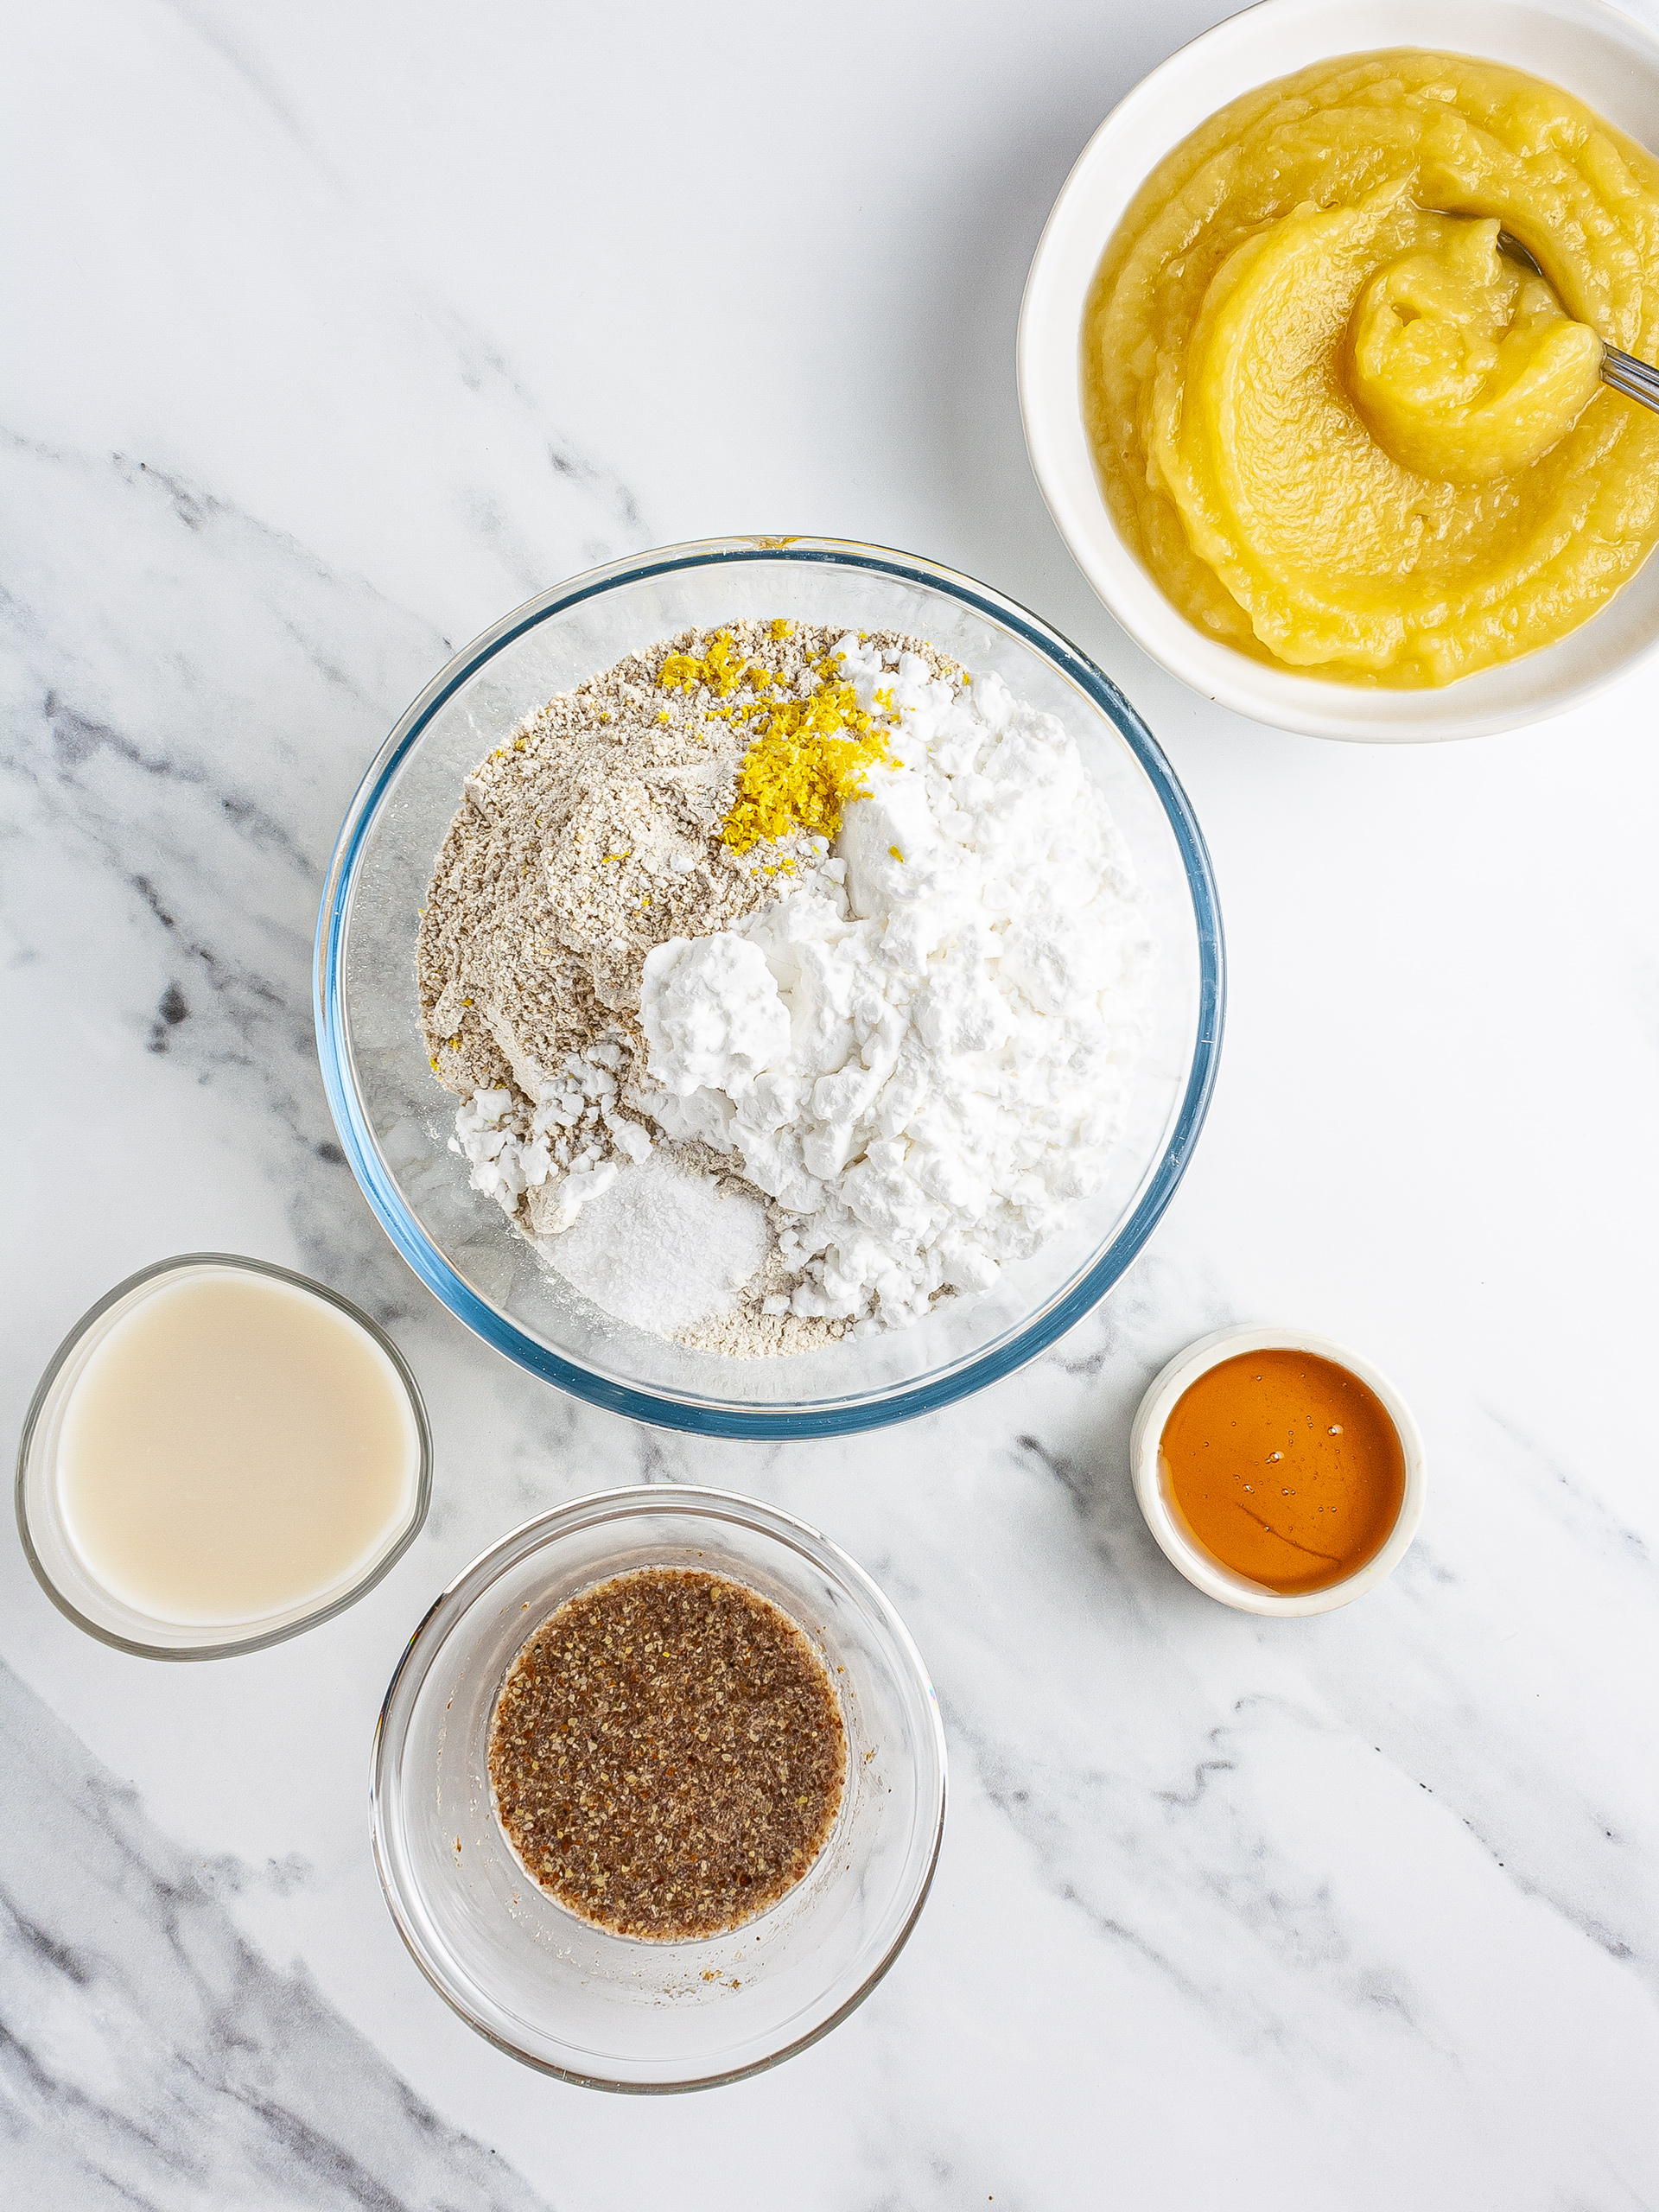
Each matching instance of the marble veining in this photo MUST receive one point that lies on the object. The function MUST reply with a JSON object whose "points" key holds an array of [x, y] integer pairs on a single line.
{"points": [[347, 331], [149, 2054]]}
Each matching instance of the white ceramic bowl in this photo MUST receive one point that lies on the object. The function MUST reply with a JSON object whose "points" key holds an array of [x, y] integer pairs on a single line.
{"points": [[1201, 1568], [1591, 50]]}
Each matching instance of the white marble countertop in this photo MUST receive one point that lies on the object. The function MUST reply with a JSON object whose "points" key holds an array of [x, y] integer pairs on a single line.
{"points": [[344, 330]]}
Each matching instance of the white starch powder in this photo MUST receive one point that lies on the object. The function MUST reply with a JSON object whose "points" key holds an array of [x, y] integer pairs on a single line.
{"points": [[922, 1054], [665, 1247]]}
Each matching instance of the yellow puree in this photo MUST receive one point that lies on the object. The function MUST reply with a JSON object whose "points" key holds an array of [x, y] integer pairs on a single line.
{"points": [[1345, 432]]}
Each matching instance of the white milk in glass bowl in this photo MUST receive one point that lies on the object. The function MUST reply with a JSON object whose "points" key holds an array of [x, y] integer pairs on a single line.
{"points": [[220, 1454]]}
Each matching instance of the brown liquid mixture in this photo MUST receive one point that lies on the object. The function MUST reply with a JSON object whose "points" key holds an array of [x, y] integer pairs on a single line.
{"points": [[667, 1755], [1284, 1467]]}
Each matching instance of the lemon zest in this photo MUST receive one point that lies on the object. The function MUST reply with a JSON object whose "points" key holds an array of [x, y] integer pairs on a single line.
{"points": [[807, 758], [807, 763], [721, 668]]}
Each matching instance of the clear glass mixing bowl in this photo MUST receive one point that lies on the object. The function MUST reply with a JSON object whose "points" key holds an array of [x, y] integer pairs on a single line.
{"points": [[611, 2011], [394, 1119]]}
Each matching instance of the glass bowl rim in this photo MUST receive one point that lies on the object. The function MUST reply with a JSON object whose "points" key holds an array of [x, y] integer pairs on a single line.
{"points": [[635, 1402], [598, 1508], [315, 1618]]}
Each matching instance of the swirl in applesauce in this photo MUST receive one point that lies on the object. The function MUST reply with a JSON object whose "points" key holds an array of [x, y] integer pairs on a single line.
{"points": [[1345, 432]]}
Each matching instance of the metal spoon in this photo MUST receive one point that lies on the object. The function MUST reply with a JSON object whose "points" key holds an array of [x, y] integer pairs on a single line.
{"points": [[1622, 371]]}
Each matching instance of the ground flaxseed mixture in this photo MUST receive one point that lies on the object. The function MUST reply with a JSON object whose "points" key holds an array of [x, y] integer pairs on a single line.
{"points": [[667, 1755]]}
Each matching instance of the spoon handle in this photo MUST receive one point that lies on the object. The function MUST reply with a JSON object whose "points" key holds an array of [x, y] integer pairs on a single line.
{"points": [[1633, 378]]}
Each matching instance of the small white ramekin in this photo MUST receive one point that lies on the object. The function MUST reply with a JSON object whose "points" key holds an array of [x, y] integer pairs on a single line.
{"points": [[1200, 1568], [1595, 51]]}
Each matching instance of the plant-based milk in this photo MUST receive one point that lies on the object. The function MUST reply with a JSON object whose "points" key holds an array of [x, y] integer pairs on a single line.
{"points": [[234, 1448]]}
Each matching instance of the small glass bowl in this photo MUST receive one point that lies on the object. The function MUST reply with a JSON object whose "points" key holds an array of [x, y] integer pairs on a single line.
{"points": [[395, 1120], [619, 2012], [58, 1566]]}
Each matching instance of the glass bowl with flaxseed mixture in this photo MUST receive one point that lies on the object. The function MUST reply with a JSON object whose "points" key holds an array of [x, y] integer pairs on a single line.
{"points": [[398, 1122], [598, 1986]]}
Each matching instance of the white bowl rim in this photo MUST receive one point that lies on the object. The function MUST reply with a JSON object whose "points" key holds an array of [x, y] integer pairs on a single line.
{"points": [[1200, 1568], [1046, 354]]}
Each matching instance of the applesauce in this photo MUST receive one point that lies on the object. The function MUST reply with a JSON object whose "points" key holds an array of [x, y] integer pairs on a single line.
{"points": [[1344, 431]]}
